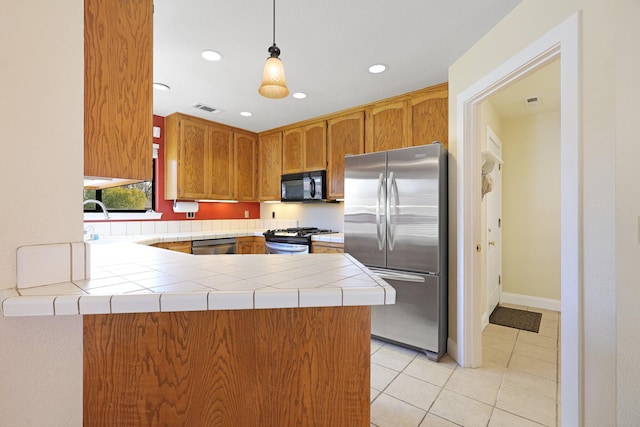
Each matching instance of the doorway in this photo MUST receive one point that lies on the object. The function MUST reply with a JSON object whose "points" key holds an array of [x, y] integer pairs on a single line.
{"points": [[562, 42]]}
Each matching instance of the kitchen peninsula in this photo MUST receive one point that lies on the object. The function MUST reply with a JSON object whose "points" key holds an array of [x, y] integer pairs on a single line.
{"points": [[177, 339]]}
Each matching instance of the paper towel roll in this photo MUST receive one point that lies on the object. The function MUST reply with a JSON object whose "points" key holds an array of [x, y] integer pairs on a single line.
{"points": [[183, 207]]}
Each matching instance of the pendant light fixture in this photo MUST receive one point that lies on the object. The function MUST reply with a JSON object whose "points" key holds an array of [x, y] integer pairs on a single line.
{"points": [[273, 84]]}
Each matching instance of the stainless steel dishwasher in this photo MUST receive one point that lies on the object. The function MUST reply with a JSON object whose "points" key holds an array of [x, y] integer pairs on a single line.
{"points": [[220, 246]]}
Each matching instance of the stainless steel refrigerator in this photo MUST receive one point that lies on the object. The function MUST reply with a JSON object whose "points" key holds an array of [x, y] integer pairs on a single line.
{"points": [[395, 223]]}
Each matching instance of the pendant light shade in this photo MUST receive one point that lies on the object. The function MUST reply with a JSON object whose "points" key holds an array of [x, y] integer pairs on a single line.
{"points": [[273, 85]]}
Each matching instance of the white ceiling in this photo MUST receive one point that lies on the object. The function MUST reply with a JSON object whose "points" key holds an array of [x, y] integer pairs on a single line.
{"points": [[327, 47], [543, 83]]}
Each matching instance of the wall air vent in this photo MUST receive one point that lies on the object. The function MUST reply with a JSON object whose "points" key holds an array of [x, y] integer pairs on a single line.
{"points": [[206, 108]]}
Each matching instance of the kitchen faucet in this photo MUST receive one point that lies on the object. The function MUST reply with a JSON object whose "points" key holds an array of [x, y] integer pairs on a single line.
{"points": [[99, 203]]}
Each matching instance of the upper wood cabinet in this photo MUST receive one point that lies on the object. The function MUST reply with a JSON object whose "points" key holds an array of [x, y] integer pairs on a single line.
{"points": [[304, 148], [315, 146], [246, 145], [429, 117], [292, 150], [118, 117], [270, 165], [207, 160], [187, 151], [387, 127], [222, 163], [345, 135]]}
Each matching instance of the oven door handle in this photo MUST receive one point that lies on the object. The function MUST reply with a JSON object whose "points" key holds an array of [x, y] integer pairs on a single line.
{"points": [[286, 248]]}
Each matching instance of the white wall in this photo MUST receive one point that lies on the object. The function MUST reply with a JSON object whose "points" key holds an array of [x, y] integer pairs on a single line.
{"points": [[531, 205], [610, 202], [41, 168], [627, 202]]}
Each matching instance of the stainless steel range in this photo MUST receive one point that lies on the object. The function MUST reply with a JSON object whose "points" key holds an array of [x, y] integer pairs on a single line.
{"points": [[291, 240]]}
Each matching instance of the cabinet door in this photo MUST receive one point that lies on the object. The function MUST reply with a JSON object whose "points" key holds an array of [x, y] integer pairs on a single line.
{"points": [[193, 159], [387, 127], [292, 151], [222, 169], [244, 245], [259, 246], [315, 146], [270, 165], [429, 118], [118, 118], [345, 135], [246, 166]]}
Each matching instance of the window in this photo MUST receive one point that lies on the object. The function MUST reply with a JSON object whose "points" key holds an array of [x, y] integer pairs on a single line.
{"points": [[138, 197]]}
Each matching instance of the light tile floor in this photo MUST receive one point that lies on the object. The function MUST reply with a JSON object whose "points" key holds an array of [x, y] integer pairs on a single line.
{"points": [[518, 384]]}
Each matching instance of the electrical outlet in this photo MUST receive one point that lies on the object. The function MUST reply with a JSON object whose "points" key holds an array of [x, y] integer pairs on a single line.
{"points": [[246, 214], [191, 215], [273, 214]]}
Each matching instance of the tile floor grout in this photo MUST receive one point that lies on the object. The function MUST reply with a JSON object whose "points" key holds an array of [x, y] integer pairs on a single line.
{"points": [[502, 411]]}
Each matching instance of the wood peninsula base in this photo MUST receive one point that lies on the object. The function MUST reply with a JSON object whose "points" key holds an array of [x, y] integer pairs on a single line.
{"points": [[269, 367]]}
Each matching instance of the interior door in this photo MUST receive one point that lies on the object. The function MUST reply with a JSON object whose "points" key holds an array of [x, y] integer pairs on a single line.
{"points": [[494, 226]]}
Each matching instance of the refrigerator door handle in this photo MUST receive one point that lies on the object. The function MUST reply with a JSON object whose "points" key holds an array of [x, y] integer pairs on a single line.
{"points": [[392, 195], [379, 225], [397, 275]]}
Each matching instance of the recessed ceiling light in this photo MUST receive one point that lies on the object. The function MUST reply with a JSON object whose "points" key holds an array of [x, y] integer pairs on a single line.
{"points": [[377, 68], [211, 55], [299, 95], [246, 114], [161, 86]]}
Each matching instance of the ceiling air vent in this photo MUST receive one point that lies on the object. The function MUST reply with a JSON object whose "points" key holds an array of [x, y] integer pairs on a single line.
{"points": [[206, 108], [533, 101]]}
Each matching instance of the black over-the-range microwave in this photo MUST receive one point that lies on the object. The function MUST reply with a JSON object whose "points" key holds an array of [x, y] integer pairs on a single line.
{"points": [[304, 187]]}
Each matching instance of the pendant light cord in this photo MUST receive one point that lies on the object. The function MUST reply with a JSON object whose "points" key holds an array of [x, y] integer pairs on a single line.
{"points": [[274, 22]]}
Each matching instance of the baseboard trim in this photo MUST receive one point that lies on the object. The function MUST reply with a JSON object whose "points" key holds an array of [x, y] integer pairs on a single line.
{"points": [[529, 301], [452, 350]]}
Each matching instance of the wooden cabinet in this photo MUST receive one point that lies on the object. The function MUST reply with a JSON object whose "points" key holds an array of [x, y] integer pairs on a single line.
{"points": [[184, 247], [222, 164], [250, 245], [327, 248], [118, 117], [304, 148], [315, 146], [387, 127], [429, 117], [345, 135], [292, 151], [187, 151], [246, 145], [270, 165], [207, 160]]}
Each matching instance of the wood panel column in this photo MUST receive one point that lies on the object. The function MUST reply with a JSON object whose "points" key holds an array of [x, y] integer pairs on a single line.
{"points": [[281, 367]]}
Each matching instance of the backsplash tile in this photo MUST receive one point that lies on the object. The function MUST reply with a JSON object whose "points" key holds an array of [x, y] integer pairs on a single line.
{"points": [[78, 264], [43, 264]]}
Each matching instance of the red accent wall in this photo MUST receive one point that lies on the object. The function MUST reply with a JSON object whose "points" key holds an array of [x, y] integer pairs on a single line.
{"points": [[207, 210]]}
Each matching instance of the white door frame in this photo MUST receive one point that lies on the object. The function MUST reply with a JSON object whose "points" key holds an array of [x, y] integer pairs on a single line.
{"points": [[491, 205], [561, 42]]}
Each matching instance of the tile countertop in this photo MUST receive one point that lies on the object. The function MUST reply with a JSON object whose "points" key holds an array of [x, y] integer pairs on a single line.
{"points": [[129, 277]]}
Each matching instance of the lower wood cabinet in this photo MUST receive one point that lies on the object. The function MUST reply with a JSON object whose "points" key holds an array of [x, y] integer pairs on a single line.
{"points": [[250, 245], [327, 248], [184, 247]]}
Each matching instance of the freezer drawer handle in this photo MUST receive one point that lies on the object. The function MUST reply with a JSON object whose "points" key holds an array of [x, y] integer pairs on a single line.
{"points": [[392, 275]]}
